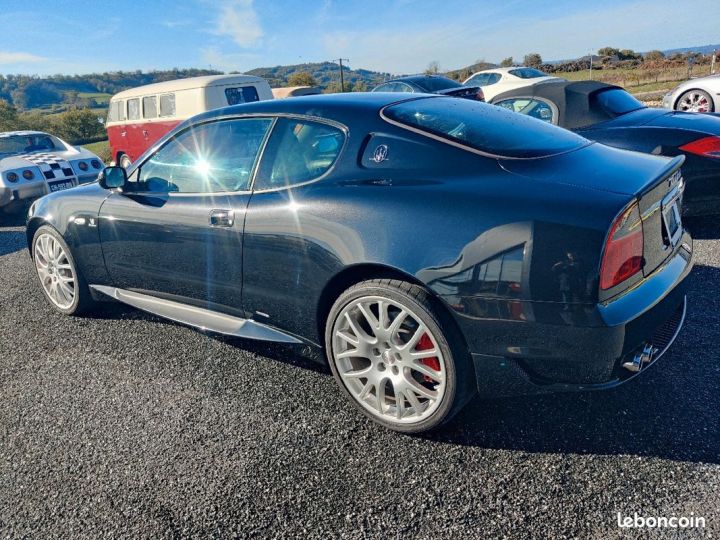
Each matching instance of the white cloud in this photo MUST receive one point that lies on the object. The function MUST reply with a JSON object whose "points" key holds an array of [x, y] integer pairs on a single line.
{"points": [[238, 20], [215, 58], [7, 57]]}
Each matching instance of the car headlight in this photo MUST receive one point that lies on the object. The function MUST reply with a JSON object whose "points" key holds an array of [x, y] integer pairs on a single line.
{"points": [[28, 174], [96, 164], [83, 166], [12, 177]]}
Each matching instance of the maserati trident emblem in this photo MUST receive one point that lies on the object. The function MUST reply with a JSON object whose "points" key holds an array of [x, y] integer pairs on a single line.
{"points": [[380, 153]]}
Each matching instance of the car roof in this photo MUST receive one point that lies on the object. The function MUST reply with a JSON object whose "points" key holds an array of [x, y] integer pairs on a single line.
{"points": [[572, 99], [187, 84], [341, 107]]}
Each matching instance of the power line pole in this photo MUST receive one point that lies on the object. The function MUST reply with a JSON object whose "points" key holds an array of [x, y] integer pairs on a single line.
{"points": [[342, 78]]}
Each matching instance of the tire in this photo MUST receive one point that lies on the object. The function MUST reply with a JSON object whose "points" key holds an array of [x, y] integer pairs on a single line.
{"points": [[58, 273], [389, 351], [125, 161], [695, 101]]}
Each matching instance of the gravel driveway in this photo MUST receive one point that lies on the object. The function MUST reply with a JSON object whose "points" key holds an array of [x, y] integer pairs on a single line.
{"points": [[125, 425]]}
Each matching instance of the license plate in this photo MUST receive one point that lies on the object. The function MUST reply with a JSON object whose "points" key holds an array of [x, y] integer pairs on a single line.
{"points": [[672, 222], [59, 186]]}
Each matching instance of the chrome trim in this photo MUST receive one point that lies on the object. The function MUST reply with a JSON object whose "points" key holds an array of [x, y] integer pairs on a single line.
{"points": [[203, 319]]}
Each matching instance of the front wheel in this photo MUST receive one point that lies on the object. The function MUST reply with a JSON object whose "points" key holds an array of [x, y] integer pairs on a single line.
{"points": [[60, 280], [398, 359], [695, 101]]}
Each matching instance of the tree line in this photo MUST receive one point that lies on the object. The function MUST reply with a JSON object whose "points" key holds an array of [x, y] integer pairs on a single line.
{"points": [[76, 126], [606, 58], [31, 91]]}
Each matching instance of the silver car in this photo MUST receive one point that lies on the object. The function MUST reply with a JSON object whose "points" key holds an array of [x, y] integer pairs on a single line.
{"points": [[33, 163], [696, 95]]}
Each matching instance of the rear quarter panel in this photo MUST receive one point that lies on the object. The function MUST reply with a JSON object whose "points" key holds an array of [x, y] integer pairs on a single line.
{"points": [[436, 227]]}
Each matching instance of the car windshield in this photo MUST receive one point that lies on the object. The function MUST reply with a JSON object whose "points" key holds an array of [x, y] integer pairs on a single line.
{"points": [[490, 129], [615, 102], [20, 144], [528, 73], [436, 84]]}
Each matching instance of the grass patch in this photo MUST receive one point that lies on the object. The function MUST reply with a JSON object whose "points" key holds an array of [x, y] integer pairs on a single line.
{"points": [[100, 97], [101, 149]]}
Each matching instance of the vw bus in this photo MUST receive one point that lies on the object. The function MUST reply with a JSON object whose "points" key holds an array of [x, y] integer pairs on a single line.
{"points": [[138, 117]]}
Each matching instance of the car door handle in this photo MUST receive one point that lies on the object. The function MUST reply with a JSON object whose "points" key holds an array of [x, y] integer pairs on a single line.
{"points": [[222, 218]]}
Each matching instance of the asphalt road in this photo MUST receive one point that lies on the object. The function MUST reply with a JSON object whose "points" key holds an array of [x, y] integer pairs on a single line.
{"points": [[125, 425]]}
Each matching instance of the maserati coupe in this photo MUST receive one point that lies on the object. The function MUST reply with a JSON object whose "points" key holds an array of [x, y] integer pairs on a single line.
{"points": [[610, 115], [436, 248]]}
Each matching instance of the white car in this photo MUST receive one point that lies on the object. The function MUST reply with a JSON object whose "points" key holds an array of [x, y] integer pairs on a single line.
{"points": [[696, 95], [499, 80], [33, 164]]}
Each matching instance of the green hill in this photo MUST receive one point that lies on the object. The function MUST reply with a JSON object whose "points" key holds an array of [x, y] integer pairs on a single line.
{"points": [[324, 73]]}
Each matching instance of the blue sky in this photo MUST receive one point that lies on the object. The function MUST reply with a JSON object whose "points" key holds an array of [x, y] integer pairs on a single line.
{"points": [[398, 36]]}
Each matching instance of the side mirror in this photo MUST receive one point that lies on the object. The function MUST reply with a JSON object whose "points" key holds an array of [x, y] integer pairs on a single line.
{"points": [[112, 177]]}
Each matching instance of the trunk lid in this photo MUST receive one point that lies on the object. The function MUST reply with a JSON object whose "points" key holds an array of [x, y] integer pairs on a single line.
{"points": [[654, 182], [703, 122]]}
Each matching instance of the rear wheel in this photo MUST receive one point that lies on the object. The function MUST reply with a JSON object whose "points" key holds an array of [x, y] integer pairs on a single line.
{"points": [[396, 357], [695, 101], [60, 280]]}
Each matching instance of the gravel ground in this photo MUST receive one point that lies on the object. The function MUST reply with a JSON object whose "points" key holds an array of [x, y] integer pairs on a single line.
{"points": [[124, 425]]}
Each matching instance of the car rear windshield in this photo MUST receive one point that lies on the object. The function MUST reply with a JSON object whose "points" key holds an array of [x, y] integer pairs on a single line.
{"points": [[528, 73], [488, 128], [615, 102], [19, 144], [435, 84]]}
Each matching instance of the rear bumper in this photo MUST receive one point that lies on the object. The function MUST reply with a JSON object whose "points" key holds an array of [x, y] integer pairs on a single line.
{"points": [[590, 352], [22, 193]]}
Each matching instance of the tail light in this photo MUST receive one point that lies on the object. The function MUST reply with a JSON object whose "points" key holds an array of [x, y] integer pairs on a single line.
{"points": [[706, 147], [623, 256]]}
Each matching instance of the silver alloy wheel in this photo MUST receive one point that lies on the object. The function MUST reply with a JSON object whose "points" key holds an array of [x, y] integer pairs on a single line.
{"points": [[694, 101], [388, 360], [57, 275]]}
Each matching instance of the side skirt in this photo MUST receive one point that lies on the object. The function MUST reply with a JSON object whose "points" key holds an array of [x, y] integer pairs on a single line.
{"points": [[203, 319]]}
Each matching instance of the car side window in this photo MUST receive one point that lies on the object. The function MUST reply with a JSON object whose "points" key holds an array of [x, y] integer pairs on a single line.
{"points": [[167, 105], [133, 109], [477, 80], [149, 104], [387, 87], [208, 158], [530, 107], [402, 87], [244, 94], [298, 151]]}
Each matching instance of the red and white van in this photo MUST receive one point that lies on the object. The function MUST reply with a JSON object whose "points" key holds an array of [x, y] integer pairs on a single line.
{"points": [[140, 116]]}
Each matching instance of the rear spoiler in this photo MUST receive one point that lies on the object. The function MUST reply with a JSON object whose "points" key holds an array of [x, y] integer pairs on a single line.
{"points": [[670, 167]]}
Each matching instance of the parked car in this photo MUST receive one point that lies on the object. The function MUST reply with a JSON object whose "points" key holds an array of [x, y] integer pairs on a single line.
{"points": [[33, 163], [534, 264], [497, 80], [431, 84], [295, 91], [608, 114], [696, 95], [139, 117]]}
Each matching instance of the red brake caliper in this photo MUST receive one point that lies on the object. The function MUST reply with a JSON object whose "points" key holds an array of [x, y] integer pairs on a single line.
{"points": [[425, 344]]}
